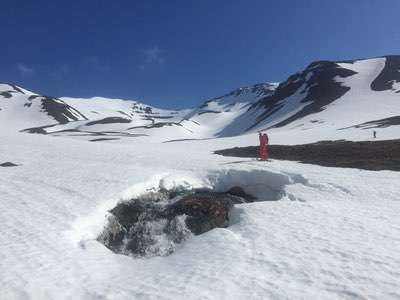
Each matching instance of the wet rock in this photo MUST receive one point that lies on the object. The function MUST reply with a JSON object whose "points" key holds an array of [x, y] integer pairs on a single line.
{"points": [[239, 192], [155, 223], [142, 227], [204, 210], [114, 236]]}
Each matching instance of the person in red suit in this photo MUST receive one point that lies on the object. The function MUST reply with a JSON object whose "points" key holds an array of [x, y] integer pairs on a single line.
{"points": [[263, 152]]}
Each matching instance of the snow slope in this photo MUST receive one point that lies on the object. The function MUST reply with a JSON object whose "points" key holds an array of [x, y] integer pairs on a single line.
{"points": [[21, 109], [215, 116]]}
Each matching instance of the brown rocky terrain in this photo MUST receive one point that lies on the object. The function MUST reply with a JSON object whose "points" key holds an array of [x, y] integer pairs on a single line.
{"points": [[369, 155]]}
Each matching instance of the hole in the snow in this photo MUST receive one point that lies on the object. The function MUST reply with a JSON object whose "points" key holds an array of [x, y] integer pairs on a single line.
{"points": [[155, 223], [264, 185]]}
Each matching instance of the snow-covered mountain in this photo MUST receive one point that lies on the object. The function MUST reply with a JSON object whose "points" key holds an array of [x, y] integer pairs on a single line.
{"points": [[23, 110], [332, 96], [20, 108], [216, 117], [339, 97], [339, 93]]}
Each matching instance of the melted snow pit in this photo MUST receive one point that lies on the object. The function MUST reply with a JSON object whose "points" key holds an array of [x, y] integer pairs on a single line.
{"points": [[155, 223], [265, 185]]}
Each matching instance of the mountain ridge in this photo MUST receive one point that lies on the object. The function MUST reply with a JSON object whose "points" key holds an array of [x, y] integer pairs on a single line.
{"points": [[334, 93]]}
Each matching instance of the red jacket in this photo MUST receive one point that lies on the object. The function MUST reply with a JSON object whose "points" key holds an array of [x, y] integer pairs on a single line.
{"points": [[263, 139]]}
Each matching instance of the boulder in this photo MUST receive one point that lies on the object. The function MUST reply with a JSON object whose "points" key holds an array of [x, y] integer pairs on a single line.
{"points": [[155, 223], [239, 192], [204, 210]]}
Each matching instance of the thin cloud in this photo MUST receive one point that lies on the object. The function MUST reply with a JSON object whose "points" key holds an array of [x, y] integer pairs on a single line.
{"points": [[152, 56], [25, 70]]}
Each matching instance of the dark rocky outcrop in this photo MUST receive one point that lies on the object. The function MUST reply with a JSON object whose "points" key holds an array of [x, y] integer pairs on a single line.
{"points": [[109, 120], [258, 90], [155, 223], [209, 112], [103, 139], [316, 86], [6, 94], [60, 111], [8, 164], [9, 93], [389, 75], [368, 155], [239, 192], [56, 108], [156, 125], [381, 123], [204, 210]]}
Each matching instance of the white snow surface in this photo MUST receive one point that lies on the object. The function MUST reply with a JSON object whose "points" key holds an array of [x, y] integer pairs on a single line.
{"points": [[332, 234]]}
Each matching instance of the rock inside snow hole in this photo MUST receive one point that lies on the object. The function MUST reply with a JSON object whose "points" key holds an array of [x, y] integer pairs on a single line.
{"points": [[155, 223]]}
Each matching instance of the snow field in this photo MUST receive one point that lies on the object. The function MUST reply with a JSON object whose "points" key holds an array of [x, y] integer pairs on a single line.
{"points": [[333, 234]]}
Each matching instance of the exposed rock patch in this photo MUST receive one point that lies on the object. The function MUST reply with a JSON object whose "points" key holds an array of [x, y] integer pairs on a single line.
{"points": [[6, 94], [389, 75], [8, 164], [156, 223], [109, 120], [369, 155], [59, 110], [103, 139], [157, 125], [382, 123], [316, 85]]}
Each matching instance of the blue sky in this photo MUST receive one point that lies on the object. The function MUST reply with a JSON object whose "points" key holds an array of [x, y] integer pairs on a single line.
{"points": [[178, 53]]}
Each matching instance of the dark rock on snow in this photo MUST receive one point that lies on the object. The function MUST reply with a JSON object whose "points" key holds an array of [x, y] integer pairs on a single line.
{"points": [[155, 223], [104, 139], [109, 120], [368, 155], [316, 84], [59, 110], [8, 164], [389, 75], [6, 94], [381, 123], [239, 192], [204, 211]]}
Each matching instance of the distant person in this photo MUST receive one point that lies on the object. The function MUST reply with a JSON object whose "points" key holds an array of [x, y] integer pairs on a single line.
{"points": [[374, 132], [263, 151]]}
